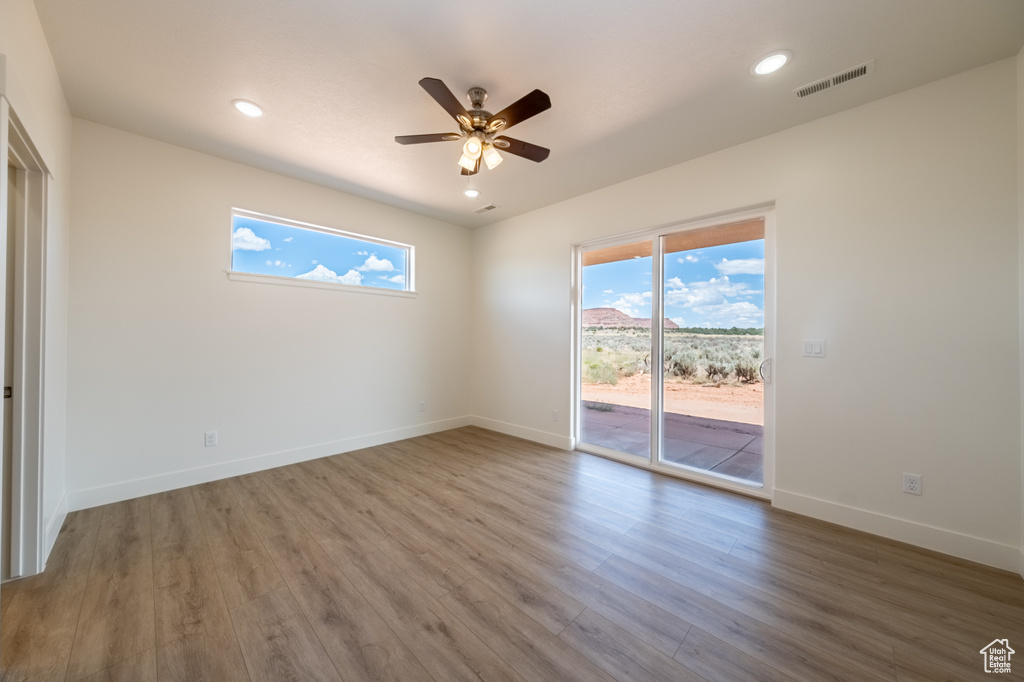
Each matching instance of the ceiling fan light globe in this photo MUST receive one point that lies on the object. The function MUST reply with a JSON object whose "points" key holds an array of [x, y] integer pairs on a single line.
{"points": [[491, 157], [474, 146], [467, 163]]}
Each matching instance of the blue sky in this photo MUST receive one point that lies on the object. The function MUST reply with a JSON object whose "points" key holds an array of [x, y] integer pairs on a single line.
{"points": [[720, 286], [266, 248]]}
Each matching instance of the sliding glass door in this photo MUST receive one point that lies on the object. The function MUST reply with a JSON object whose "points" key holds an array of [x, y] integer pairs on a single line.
{"points": [[673, 359], [713, 345], [615, 398]]}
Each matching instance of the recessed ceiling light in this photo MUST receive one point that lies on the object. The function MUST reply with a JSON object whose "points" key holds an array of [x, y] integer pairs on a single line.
{"points": [[771, 63], [471, 192], [248, 108]]}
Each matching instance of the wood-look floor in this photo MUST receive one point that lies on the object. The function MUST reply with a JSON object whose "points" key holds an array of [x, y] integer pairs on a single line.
{"points": [[469, 555]]}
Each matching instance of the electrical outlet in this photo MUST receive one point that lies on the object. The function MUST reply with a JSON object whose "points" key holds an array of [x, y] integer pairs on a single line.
{"points": [[912, 483], [554, 415], [211, 439], [423, 406]]}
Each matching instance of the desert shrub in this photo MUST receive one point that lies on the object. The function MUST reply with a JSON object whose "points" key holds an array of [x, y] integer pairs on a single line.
{"points": [[682, 363], [746, 372], [715, 371], [698, 357], [600, 372]]}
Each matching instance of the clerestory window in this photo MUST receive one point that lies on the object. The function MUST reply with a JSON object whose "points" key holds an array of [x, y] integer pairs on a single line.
{"points": [[266, 248]]}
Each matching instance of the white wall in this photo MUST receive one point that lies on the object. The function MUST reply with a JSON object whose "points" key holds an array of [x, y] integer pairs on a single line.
{"points": [[164, 347], [1020, 269], [35, 95], [897, 242]]}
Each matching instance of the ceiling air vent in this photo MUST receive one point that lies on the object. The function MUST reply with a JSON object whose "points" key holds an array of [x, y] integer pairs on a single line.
{"points": [[485, 209], [865, 69]]}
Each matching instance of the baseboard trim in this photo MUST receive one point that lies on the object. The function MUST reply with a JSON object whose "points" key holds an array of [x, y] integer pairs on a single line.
{"points": [[543, 437], [53, 529], [172, 480], [956, 544]]}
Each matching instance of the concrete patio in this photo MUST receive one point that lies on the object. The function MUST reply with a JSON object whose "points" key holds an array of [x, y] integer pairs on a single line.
{"points": [[719, 447]]}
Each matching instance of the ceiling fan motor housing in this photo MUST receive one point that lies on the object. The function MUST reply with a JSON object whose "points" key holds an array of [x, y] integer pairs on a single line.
{"points": [[477, 97]]}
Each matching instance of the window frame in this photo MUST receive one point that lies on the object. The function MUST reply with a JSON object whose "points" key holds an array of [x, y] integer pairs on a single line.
{"points": [[240, 276]]}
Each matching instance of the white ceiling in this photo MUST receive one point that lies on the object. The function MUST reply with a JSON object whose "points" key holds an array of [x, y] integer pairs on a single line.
{"points": [[635, 86]]}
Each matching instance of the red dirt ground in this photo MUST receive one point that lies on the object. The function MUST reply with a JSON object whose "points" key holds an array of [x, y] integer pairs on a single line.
{"points": [[739, 403]]}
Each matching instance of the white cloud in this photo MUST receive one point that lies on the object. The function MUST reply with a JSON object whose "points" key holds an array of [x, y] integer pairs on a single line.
{"points": [[288, 239], [632, 303], [738, 314], [315, 262], [679, 321], [741, 266], [397, 279], [608, 291], [710, 300], [377, 264], [689, 258], [244, 239], [362, 253], [322, 274], [715, 291]]}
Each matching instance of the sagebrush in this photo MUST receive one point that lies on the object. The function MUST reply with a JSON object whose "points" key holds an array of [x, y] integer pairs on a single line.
{"points": [[612, 354]]}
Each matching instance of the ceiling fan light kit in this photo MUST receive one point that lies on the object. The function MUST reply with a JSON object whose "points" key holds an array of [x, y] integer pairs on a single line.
{"points": [[479, 128]]}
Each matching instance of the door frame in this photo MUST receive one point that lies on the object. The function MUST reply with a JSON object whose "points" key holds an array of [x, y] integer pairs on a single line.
{"points": [[765, 211], [32, 179]]}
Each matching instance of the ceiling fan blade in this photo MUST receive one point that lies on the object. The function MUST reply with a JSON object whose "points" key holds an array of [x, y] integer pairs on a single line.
{"points": [[476, 169], [526, 150], [449, 102], [520, 110], [430, 137]]}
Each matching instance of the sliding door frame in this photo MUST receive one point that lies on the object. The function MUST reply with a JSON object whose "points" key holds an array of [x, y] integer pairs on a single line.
{"points": [[653, 463]]}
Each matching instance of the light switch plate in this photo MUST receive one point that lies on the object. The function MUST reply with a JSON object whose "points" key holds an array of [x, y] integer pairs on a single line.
{"points": [[814, 348]]}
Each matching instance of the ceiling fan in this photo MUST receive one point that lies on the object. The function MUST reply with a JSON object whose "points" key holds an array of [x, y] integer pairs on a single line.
{"points": [[480, 128]]}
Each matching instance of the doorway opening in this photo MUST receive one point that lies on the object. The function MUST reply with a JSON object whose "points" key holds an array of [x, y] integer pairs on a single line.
{"points": [[23, 198], [674, 348]]}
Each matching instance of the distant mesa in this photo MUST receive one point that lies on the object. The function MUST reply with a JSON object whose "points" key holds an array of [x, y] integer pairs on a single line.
{"points": [[610, 317]]}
